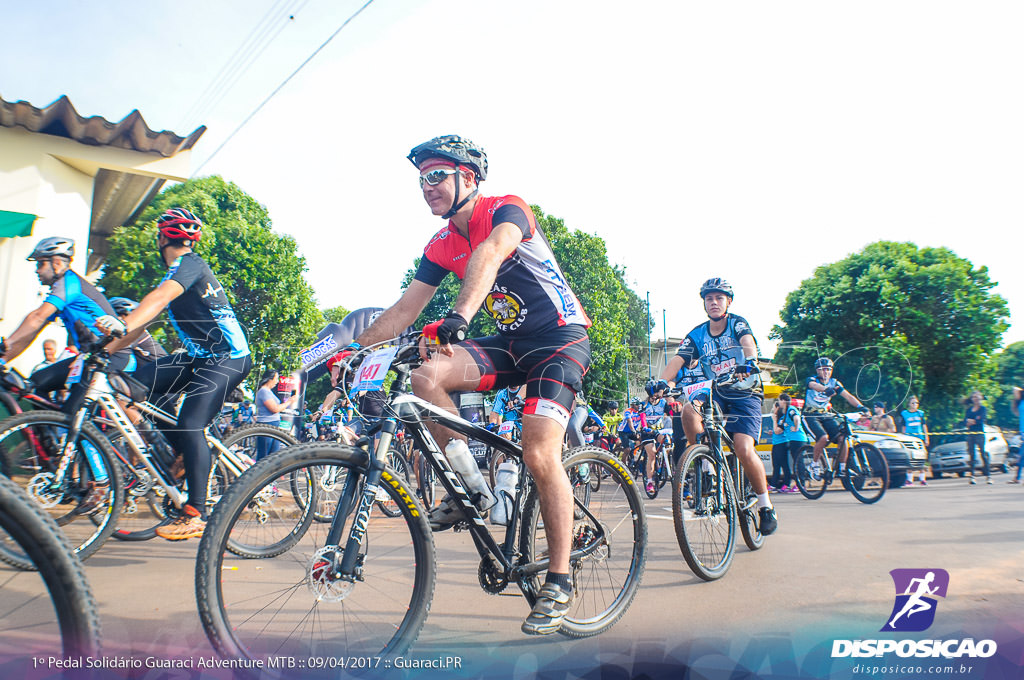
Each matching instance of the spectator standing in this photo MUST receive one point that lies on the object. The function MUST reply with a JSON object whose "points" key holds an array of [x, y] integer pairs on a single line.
{"points": [[974, 420], [915, 426], [49, 354], [1018, 396], [268, 411], [788, 440], [880, 420]]}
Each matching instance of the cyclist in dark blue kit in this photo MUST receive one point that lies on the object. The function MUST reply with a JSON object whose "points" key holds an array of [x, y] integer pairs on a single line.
{"points": [[215, 361], [725, 345]]}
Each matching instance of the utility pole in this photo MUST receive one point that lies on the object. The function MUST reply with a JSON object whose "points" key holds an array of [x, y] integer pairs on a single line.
{"points": [[664, 330], [649, 334]]}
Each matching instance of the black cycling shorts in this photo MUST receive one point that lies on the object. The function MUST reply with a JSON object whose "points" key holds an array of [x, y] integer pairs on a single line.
{"points": [[551, 364], [821, 424]]}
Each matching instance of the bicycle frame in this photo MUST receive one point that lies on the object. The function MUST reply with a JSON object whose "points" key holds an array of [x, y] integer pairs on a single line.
{"points": [[414, 412]]}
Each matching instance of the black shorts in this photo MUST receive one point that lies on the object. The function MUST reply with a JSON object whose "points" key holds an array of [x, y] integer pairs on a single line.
{"points": [[551, 364], [821, 424]]}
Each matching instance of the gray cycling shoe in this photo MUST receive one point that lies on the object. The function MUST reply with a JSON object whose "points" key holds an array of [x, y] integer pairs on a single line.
{"points": [[448, 514], [549, 611]]}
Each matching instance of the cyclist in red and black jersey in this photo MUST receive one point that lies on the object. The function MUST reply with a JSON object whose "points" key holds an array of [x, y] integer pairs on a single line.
{"points": [[506, 265]]}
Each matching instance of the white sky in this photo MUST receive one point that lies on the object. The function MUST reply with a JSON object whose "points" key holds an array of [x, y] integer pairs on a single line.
{"points": [[751, 140]]}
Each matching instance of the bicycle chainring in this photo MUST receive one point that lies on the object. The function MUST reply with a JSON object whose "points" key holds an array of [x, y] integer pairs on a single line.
{"points": [[492, 577]]}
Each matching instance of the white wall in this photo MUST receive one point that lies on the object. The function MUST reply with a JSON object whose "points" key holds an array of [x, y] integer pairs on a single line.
{"points": [[32, 181]]}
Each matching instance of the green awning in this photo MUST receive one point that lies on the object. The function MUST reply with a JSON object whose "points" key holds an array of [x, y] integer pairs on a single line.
{"points": [[15, 224]]}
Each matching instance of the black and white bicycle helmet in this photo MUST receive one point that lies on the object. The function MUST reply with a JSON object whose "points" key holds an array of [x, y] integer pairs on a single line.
{"points": [[716, 285], [51, 246], [452, 148], [823, 362]]}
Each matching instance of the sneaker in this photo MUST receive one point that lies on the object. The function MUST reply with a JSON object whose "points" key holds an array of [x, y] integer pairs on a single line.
{"points": [[1013, 481], [769, 521], [650, 487], [990, 481], [924, 483], [549, 611], [973, 482], [95, 493], [189, 525], [816, 471], [448, 514]]}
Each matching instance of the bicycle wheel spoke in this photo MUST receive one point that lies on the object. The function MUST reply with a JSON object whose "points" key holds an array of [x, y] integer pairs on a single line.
{"points": [[298, 605], [606, 579]]}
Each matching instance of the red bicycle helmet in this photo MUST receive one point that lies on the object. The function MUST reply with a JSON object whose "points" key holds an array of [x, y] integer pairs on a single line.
{"points": [[179, 223]]}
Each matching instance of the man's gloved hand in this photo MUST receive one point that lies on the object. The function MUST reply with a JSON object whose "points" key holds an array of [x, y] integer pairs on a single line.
{"points": [[830, 392], [450, 330], [111, 325], [747, 368], [344, 354]]}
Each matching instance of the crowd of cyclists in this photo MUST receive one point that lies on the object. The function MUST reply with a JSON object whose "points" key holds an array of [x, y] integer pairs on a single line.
{"points": [[535, 361]]}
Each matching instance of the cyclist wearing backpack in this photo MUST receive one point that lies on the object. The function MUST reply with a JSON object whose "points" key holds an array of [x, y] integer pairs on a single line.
{"points": [[493, 244], [725, 345], [215, 361]]}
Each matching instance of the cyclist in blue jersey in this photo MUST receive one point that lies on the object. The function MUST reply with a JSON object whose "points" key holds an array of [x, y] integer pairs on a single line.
{"points": [[506, 408], [657, 424], [633, 423], [72, 299], [725, 345], [821, 420], [215, 361]]}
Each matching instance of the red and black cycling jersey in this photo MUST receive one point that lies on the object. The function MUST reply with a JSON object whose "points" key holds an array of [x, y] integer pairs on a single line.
{"points": [[530, 293]]}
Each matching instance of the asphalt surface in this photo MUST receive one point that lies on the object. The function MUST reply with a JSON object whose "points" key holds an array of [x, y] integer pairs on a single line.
{"points": [[823, 575]]}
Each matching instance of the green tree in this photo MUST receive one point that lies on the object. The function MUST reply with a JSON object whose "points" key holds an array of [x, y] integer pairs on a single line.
{"points": [[261, 271], [898, 320], [1008, 373], [334, 314], [618, 335]]}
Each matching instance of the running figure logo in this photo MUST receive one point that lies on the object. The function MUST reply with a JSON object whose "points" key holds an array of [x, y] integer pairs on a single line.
{"points": [[914, 609]]}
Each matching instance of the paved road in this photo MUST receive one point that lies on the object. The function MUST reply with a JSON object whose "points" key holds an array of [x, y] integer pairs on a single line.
{"points": [[824, 575]]}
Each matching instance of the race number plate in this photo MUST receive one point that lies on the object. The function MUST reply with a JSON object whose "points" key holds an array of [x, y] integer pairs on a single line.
{"points": [[374, 370], [75, 373], [697, 389]]}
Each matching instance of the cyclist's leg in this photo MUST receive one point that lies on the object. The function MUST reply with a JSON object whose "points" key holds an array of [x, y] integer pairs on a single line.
{"points": [[434, 380], [743, 424], [575, 428], [693, 426], [207, 389]]}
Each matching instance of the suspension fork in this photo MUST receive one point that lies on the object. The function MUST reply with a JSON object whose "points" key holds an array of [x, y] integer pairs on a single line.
{"points": [[361, 521]]}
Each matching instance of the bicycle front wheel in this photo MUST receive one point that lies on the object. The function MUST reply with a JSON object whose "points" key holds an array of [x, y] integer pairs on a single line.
{"points": [[749, 525], [611, 527], [704, 512], [867, 473], [73, 615], [812, 478], [294, 604], [87, 504]]}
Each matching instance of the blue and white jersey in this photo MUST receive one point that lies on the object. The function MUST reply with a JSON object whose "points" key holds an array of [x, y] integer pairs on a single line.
{"points": [[202, 315], [818, 401], [78, 304], [719, 354], [655, 414]]}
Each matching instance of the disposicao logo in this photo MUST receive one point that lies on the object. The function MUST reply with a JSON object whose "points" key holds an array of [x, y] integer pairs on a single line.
{"points": [[914, 611], [916, 590]]}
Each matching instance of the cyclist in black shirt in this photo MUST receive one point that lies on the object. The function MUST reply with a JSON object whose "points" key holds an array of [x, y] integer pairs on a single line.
{"points": [[215, 361]]}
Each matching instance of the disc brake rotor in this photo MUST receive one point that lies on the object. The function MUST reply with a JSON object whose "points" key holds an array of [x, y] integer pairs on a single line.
{"points": [[39, 487], [323, 579]]}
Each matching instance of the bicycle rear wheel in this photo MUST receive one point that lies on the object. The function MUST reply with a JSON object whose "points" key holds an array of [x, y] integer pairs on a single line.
{"points": [[867, 473], [291, 604], [613, 524], [704, 512], [31, 446], [811, 478], [73, 615]]}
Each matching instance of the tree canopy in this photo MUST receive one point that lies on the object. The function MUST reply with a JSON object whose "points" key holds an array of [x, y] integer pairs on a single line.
{"points": [[898, 320], [261, 271], [617, 337]]}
